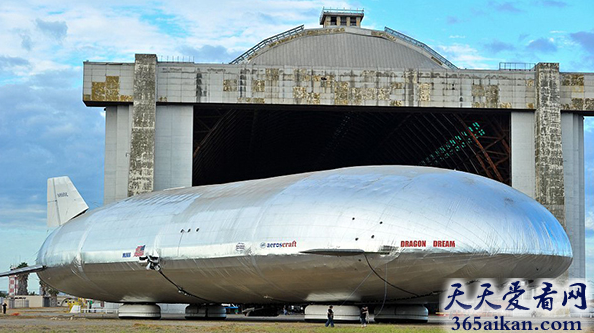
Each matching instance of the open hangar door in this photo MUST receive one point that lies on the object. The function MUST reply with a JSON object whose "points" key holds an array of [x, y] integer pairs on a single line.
{"points": [[234, 143]]}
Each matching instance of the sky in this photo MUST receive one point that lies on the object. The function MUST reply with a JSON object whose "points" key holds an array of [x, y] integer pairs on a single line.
{"points": [[46, 131]]}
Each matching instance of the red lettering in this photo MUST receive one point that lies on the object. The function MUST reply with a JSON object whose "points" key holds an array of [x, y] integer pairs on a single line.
{"points": [[444, 243], [415, 243]]}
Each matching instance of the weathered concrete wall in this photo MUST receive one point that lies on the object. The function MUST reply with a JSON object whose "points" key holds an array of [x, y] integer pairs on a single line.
{"points": [[549, 187], [177, 83], [173, 146], [209, 83], [577, 91], [117, 152], [142, 139], [108, 82], [289, 85], [573, 167]]}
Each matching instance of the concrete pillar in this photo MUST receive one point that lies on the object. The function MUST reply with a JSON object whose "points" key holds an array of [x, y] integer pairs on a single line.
{"points": [[522, 152], [173, 146], [111, 141], [142, 139], [117, 152], [549, 185], [573, 166]]}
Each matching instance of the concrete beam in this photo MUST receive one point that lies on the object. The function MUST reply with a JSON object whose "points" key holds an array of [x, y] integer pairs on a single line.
{"points": [[142, 138], [549, 189], [188, 83]]}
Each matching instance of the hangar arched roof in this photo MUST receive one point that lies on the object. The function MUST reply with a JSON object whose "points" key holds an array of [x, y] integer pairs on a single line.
{"points": [[345, 47]]}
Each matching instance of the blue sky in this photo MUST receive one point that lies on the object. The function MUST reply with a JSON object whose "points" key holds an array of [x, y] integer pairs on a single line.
{"points": [[46, 131]]}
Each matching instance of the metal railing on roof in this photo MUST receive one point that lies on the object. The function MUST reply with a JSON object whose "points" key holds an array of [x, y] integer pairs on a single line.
{"points": [[163, 58], [265, 42], [422, 45], [516, 66]]}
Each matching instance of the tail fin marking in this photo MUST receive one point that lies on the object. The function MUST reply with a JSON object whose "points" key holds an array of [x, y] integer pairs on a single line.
{"points": [[63, 201]]}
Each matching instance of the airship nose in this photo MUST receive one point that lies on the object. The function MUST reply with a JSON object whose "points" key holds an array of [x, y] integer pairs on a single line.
{"points": [[520, 236], [490, 228]]}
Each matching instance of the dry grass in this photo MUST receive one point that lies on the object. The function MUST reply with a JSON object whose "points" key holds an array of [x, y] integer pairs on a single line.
{"points": [[59, 321], [76, 324]]}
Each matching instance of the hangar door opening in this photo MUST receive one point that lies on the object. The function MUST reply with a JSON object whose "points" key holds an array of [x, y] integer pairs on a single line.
{"points": [[233, 143]]}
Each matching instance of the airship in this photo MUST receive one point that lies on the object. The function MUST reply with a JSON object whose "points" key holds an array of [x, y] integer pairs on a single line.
{"points": [[359, 235]]}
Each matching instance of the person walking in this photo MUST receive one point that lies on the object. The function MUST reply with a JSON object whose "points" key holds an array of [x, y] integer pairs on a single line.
{"points": [[4, 308], [364, 318], [330, 320]]}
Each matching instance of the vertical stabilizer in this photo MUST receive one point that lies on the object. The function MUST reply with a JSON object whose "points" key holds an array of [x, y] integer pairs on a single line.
{"points": [[63, 201]]}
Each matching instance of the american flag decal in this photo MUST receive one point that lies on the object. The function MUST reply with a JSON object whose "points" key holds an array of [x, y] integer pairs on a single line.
{"points": [[139, 251]]}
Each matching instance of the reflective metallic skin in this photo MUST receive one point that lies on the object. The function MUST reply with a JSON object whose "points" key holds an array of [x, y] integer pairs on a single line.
{"points": [[315, 237]]}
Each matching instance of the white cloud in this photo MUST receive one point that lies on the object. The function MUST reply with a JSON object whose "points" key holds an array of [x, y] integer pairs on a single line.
{"points": [[60, 37], [25, 216], [248, 23], [589, 258], [465, 56], [57, 36], [590, 220]]}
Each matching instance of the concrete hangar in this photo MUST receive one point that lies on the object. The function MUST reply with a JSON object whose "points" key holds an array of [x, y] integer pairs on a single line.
{"points": [[341, 95]]}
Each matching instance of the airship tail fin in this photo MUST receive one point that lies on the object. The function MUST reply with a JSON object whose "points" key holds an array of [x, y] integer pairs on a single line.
{"points": [[63, 201]]}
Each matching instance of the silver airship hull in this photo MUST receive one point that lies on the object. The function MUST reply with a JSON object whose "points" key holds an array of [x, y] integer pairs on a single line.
{"points": [[329, 236]]}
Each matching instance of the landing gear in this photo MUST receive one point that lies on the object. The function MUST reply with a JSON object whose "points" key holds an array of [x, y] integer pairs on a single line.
{"points": [[211, 312], [402, 313], [139, 311]]}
